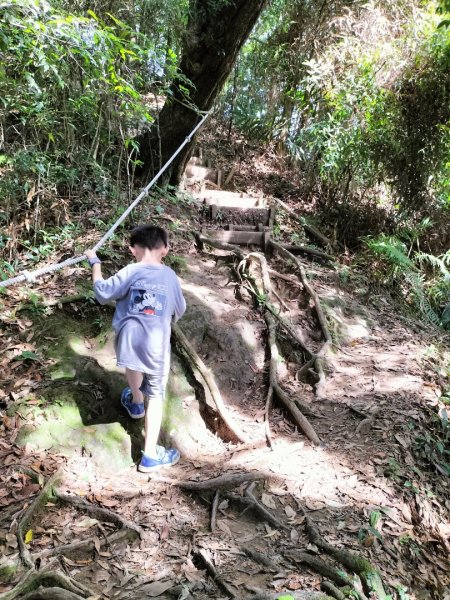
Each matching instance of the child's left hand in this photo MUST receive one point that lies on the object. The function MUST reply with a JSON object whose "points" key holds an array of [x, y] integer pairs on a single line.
{"points": [[90, 254]]}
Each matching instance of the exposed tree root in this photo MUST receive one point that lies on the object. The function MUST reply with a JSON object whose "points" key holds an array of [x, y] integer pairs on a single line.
{"points": [[320, 357], [369, 575], [312, 251], [201, 373], [202, 239], [203, 558], [86, 545], [224, 482], [102, 514], [48, 584], [319, 566], [298, 417], [52, 593], [53, 579], [304, 279], [267, 417], [332, 590], [260, 558]]}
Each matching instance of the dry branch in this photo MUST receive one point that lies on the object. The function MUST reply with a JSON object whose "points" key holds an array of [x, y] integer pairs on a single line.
{"points": [[201, 373], [224, 482]]}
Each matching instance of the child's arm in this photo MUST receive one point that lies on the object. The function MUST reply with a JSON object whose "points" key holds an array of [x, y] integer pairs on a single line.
{"points": [[96, 265]]}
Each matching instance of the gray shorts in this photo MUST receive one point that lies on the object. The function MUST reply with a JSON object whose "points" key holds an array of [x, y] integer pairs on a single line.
{"points": [[154, 386]]}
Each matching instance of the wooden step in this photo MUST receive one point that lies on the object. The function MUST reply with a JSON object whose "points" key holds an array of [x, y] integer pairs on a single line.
{"points": [[230, 199], [240, 238]]}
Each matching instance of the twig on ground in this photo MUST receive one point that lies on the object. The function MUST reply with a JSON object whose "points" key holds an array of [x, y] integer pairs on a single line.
{"points": [[215, 504], [267, 417]]}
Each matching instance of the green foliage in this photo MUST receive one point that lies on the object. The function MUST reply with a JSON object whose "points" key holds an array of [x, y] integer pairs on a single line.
{"points": [[357, 94], [72, 91], [427, 277]]}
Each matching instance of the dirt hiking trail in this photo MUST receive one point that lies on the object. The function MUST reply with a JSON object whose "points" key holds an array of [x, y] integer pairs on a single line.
{"points": [[372, 486]]}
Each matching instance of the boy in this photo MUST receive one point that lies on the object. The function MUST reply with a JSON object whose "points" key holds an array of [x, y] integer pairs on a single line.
{"points": [[148, 296]]}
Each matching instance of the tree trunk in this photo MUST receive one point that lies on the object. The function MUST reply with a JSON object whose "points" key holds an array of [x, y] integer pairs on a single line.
{"points": [[215, 33]]}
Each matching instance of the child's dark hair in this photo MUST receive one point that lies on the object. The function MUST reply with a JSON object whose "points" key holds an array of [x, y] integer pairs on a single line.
{"points": [[149, 236]]}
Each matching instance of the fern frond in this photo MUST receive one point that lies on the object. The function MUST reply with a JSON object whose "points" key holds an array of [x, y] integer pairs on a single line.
{"points": [[393, 249], [416, 281]]}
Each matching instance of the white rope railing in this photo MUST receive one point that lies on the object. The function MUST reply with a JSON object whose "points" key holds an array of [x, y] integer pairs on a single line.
{"points": [[31, 276]]}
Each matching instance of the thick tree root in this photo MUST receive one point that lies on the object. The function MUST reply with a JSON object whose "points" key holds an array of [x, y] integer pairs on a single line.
{"points": [[224, 482], [319, 566], [304, 279], [203, 375], [297, 415], [202, 239]]}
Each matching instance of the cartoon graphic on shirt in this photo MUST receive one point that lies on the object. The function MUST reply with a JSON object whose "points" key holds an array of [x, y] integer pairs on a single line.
{"points": [[147, 302]]}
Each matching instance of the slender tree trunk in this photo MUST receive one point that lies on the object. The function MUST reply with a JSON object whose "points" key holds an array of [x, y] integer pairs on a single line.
{"points": [[215, 33]]}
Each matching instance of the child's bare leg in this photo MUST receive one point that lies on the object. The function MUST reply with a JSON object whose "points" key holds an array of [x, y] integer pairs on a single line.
{"points": [[134, 379], [153, 419]]}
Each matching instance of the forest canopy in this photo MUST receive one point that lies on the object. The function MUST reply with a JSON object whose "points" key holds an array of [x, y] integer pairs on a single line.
{"points": [[354, 96]]}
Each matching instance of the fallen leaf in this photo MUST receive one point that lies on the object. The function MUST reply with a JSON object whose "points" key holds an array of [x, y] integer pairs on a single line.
{"points": [[155, 589], [29, 536], [268, 500], [290, 512]]}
